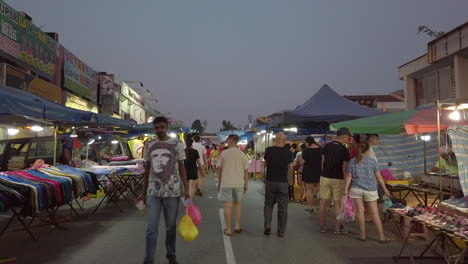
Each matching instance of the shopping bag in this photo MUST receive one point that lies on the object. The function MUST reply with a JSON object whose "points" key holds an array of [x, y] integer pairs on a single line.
{"points": [[347, 211], [387, 175], [387, 204], [195, 214], [188, 231]]}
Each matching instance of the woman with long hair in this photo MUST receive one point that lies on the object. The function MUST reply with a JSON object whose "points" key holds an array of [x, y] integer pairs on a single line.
{"points": [[191, 168], [312, 170], [361, 186]]}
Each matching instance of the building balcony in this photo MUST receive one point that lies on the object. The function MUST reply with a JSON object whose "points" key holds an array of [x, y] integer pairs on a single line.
{"points": [[450, 43]]}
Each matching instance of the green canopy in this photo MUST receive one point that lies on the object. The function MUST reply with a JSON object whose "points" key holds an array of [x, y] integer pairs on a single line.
{"points": [[391, 123]]}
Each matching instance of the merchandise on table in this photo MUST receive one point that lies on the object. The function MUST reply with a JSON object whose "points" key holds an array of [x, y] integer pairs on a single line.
{"points": [[45, 188]]}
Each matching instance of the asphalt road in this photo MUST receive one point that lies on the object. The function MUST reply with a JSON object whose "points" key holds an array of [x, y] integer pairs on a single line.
{"points": [[113, 237]]}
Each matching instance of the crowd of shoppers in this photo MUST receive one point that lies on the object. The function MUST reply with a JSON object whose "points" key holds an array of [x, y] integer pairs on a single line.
{"points": [[341, 168]]}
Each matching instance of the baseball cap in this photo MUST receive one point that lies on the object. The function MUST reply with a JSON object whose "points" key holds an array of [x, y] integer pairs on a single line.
{"points": [[343, 131]]}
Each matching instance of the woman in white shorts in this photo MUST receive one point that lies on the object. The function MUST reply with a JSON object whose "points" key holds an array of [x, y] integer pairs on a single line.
{"points": [[361, 186]]}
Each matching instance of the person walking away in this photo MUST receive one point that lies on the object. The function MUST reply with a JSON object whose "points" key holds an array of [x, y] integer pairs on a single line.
{"points": [[233, 182], [373, 140], [191, 162], [165, 181], [209, 164], [332, 186], [277, 159], [214, 155], [299, 166], [312, 170], [290, 173], [361, 185], [203, 159]]}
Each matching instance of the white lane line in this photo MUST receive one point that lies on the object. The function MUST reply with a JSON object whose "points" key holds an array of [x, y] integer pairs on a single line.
{"points": [[230, 259]]}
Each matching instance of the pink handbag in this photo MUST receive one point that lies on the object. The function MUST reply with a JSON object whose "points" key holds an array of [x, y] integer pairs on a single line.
{"points": [[195, 214]]}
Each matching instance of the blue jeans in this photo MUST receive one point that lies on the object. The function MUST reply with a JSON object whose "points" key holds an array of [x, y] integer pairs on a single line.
{"points": [[154, 206]]}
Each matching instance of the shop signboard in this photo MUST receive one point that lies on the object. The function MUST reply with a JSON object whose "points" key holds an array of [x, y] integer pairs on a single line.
{"points": [[79, 77], [133, 96], [26, 44], [19, 79], [76, 102], [107, 93]]}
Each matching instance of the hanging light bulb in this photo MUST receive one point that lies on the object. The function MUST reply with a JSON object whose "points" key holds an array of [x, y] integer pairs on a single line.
{"points": [[37, 128], [91, 141], [13, 131], [74, 134], [455, 115]]}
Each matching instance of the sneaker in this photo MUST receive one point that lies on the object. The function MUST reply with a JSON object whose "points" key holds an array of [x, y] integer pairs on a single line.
{"points": [[341, 230], [449, 201], [462, 206], [323, 229]]}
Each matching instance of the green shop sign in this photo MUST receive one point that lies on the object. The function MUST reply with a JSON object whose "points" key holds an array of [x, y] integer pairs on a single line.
{"points": [[24, 43]]}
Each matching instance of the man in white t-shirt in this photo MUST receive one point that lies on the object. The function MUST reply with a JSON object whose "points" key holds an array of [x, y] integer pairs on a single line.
{"points": [[233, 181], [203, 159]]}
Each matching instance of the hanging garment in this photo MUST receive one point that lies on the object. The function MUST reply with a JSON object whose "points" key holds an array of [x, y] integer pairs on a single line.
{"points": [[459, 138]]}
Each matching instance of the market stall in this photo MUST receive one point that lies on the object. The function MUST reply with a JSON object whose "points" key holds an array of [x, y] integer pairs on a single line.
{"points": [[41, 190]]}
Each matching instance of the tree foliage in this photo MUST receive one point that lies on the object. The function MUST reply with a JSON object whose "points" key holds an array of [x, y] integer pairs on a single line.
{"points": [[227, 125], [431, 33], [197, 126]]}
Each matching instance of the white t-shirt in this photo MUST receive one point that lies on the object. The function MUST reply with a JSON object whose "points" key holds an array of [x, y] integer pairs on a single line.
{"points": [[201, 151], [233, 162]]}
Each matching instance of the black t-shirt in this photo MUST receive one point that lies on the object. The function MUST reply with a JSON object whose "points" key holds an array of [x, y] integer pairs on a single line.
{"points": [[277, 162], [335, 154], [190, 163], [313, 162]]}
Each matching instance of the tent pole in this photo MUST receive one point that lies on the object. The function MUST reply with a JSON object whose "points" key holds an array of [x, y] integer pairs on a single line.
{"points": [[439, 141], [55, 144]]}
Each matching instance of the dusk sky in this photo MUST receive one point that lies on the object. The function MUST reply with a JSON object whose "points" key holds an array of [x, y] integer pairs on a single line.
{"points": [[220, 59]]}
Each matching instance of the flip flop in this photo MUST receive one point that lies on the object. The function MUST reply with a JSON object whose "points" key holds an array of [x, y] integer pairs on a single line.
{"points": [[358, 237], [385, 241], [238, 230], [226, 233]]}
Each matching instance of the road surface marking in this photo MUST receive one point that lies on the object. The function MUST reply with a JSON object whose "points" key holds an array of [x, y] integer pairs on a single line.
{"points": [[230, 259]]}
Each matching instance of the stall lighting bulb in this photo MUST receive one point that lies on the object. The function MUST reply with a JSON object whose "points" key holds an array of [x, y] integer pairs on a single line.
{"points": [[37, 128], [173, 135], [455, 115], [115, 142], [13, 131]]}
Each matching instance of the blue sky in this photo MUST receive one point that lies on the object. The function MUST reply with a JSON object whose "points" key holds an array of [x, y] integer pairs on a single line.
{"points": [[220, 59]]}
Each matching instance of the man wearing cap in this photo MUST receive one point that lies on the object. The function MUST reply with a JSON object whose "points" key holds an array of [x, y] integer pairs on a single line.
{"points": [[335, 166], [448, 162]]}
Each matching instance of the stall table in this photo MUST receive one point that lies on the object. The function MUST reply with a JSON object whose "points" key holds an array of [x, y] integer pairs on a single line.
{"points": [[442, 244]]}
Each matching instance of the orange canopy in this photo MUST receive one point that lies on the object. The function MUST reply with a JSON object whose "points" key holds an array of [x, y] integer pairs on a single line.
{"points": [[425, 121]]}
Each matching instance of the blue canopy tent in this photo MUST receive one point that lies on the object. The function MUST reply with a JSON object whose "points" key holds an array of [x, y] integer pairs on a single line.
{"points": [[18, 105], [324, 107]]}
